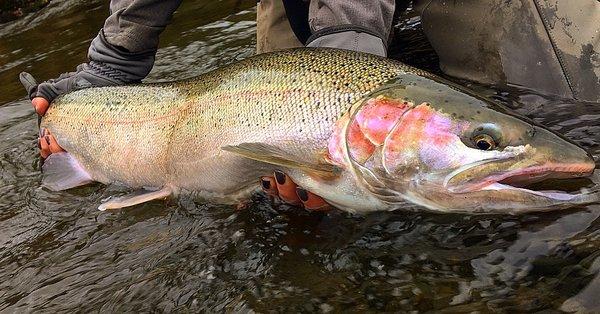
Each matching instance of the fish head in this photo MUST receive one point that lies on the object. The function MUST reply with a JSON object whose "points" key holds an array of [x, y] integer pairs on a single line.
{"points": [[432, 143]]}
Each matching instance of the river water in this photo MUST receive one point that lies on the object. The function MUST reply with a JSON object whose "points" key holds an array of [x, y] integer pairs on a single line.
{"points": [[59, 253]]}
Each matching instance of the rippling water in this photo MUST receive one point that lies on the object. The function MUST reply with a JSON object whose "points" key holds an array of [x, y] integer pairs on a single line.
{"points": [[59, 253]]}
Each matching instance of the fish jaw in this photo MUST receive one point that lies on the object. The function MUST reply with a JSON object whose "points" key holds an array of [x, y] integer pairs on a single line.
{"points": [[508, 192], [529, 175], [497, 182], [503, 191]]}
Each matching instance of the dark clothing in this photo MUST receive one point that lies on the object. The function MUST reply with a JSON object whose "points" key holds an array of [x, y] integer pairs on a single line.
{"points": [[136, 24], [552, 46], [356, 25], [370, 16]]}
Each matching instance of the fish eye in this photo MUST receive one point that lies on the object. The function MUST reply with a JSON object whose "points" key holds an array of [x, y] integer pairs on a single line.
{"points": [[486, 136], [484, 142]]}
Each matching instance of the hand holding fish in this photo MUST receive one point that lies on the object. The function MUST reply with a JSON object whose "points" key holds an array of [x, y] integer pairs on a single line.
{"points": [[108, 65]]}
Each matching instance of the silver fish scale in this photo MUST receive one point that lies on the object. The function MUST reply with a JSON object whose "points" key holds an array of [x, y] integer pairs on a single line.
{"points": [[157, 134]]}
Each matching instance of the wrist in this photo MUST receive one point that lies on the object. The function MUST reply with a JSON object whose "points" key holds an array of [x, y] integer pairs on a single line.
{"points": [[117, 63], [349, 37]]}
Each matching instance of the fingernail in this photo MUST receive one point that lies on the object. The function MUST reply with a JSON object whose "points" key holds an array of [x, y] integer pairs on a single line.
{"points": [[47, 139], [302, 194], [42, 132], [280, 177], [266, 184], [39, 144]]}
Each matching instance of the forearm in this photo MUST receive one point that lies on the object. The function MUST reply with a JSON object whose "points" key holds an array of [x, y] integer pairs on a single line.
{"points": [[135, 25], [122, 53], [129, 39]]}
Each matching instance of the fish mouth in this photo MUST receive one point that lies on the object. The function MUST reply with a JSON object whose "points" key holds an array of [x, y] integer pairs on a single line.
{"points": [[534, 180]]}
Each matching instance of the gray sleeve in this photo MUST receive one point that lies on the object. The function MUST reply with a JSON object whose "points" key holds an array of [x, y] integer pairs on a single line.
{"points": [[122, 53], [125, 48], [362, 25], [136, 24]]}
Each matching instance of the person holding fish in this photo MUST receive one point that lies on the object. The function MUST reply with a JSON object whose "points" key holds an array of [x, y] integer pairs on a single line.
{"points": [[549, 46]]}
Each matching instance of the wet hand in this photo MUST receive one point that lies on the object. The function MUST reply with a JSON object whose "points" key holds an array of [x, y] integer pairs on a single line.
{"points": [[108, 65], [40, 105], [44, 93], [47, 144], [281, 186]]}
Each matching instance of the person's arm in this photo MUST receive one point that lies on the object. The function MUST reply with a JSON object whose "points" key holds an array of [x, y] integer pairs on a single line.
{"points": [[353, 25], [122, 53]]}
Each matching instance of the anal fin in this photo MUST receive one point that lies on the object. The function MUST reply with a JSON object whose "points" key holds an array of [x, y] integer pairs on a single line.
{"points": [[62, 172], [136, 198]]}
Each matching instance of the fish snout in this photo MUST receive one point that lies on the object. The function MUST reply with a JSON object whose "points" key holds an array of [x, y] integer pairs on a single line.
{"points": [[560, 155]]}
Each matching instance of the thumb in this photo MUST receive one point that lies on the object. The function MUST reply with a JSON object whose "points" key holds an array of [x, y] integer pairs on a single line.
{"points": [[29, 83], [41, 105]]}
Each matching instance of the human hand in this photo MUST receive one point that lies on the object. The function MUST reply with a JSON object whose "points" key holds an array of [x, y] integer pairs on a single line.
{"points": [[109, 65], [281, 186], [43, 94]]}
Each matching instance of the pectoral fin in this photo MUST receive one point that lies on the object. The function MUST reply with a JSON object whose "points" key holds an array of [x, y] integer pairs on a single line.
{"points": [[136, 198], [62, 172], [276, 156]]}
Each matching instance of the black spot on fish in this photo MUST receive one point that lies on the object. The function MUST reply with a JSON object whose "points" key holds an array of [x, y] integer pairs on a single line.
{"points": [[531, 132]]}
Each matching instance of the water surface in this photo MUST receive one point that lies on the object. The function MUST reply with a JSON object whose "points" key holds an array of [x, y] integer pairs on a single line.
{"points": [[59, 253]]}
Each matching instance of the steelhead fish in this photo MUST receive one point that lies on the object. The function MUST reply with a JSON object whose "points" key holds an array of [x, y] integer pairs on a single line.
{"points": [[363, 132]]}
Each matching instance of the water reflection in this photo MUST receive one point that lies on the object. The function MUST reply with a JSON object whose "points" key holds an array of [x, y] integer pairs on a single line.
{"points": [[57, 252]]}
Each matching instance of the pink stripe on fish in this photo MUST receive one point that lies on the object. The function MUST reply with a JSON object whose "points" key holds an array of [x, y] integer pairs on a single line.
{"points": [[369, 129], [425, 137], [378, 117]]}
